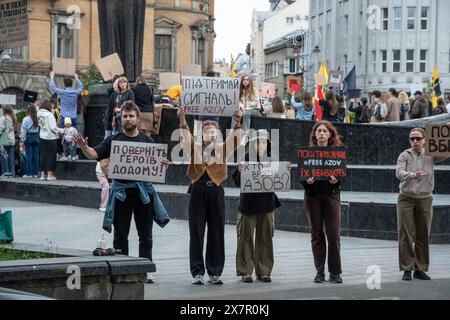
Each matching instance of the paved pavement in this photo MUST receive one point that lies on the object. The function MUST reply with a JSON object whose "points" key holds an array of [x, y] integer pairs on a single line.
{"points": [[80, 228]]}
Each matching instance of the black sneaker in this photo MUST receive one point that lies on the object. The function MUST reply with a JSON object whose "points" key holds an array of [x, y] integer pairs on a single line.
{"points": [[335, 278], [407, 276], [320, 277], [421, 275]]}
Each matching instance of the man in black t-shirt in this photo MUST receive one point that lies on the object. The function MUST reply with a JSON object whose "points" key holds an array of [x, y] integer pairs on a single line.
{"points": [[143, 213]]}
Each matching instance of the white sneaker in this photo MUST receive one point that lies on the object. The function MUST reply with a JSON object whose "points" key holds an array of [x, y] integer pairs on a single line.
{"points": [[63, 158], [150, 278], [27, 177], [102, 209], [215, 280], [198, 280]]}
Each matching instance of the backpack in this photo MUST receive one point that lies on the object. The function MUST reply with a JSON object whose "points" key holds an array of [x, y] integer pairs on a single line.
{"points": [[380, 111]]}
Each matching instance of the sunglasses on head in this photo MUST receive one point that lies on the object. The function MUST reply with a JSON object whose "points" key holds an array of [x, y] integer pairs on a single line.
{"points": [[416, 138]]}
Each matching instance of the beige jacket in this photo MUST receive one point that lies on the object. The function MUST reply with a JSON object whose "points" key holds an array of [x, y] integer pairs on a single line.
{"points": [[408, 164]]}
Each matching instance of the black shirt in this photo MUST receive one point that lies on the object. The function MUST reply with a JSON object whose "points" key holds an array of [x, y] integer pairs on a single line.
{"points": [[327, 111], [104, 148], [143, 97]]}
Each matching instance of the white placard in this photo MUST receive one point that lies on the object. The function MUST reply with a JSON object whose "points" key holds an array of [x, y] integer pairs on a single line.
{"points": [[137, 161], [260, 177], [13, 24], [210, 96], [9, 99]]}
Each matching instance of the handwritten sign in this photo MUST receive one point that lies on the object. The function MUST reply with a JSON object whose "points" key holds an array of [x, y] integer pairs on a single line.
{"points": [[260, 177], [191, 70], [8, 99], [64, 67], [438, 141], [210, 96], [322, 163], [268, 90], [137, 161], [110, 66], [169, 79], [336, 78], [13, 24]]}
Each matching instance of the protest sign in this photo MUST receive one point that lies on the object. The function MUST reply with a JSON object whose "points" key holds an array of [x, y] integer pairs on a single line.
{"points": [[137, 161], [260, 177], [322, 163], [210, 96], [8, 99], [194, 70], [65, 67], [268, 90], [168, 80], [336, 78], [438, 140], [110, 66], [13, 24], [296, 88]]}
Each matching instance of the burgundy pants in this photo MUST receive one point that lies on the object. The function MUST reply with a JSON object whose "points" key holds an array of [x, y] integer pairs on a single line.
{"points": [[324, 213]]}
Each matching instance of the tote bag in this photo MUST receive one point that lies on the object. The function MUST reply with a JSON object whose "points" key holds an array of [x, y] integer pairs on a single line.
{"points": [[6, 227]]}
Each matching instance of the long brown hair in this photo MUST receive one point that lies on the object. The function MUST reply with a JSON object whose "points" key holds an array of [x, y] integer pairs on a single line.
{"points": [[335, 139], [8, 110], [277, 105], [32, 112], [248, 92], [46, 104], [331, 98]]}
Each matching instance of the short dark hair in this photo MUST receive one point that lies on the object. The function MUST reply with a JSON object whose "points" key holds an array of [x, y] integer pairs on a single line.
{"points": [[68, 82], [393, 91], [377, 93], [129, 106], [364, 100]]}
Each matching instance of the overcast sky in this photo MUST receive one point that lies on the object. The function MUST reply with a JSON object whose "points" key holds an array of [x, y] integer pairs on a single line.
{"points": [[232, 25]]}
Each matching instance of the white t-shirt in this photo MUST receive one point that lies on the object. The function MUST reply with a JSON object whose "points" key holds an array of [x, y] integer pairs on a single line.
{"points": [[448, 108]]}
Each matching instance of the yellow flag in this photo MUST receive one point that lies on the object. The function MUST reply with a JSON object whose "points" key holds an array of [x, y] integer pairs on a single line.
{"points": [[323, 70], [233, 68], [436, 92]]}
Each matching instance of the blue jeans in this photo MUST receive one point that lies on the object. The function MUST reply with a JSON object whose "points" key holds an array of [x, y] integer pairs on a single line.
{"points": [[61, 122], [32, 151], [8, 165], [70, 149]]}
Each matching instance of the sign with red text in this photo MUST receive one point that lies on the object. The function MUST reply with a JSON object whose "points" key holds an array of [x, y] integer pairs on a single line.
{"points": [[210, 96], [261, 177], [137, 161], [322, 163], [438, 140]]}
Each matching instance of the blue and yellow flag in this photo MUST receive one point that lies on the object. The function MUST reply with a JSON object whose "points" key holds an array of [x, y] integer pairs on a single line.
{"points": [[436, 91], [233, 69]]}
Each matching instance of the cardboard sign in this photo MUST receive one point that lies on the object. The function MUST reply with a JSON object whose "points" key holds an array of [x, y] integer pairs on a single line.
{"points": [[438, 140], [194, 70], [168, 80], [13, 24], [110, 66], [210, 96], [137, 161], [320, 79], [65, 67], [268, 90], [322, 163], [260, 177], [8, 99], [296, 88], [336, 78]]}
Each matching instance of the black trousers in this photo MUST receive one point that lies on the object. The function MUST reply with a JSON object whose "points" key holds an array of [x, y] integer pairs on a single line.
{"points": [[207, 207], [48, 155], [143, 217]]}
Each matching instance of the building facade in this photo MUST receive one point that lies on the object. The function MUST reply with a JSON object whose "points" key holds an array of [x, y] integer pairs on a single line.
{"points": [[176, 32], [392, 43]]}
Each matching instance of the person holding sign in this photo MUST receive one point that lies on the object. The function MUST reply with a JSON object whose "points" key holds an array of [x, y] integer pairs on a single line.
{"points": [[121, 94], [256, 211], [68, 97], [323, 207], [129, 196], [415, 170], [207, 171]]}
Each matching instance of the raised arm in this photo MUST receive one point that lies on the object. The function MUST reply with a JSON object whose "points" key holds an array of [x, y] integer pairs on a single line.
{"points": [[89, 152], [187, 140], [80, 86], [53, 87]]}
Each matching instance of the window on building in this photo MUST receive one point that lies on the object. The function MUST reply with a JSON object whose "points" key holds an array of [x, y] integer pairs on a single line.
{"points": [[383, 60], [163, 52], [398, 18], [409, 60], [289, 20], [290, 66], [64, 42], [374, 61], [385, 18], [423, 60], [345, 63], [424, 18], [201, 57], [346, 25], [396, 57], [272, 70], [16, 53], [411, 18]]}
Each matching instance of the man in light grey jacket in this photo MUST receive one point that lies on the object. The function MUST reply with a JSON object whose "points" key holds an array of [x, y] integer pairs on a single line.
{"points": [[415, 170]]}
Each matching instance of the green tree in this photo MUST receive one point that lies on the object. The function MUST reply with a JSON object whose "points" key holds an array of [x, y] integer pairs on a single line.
{"points": [[91, 77]]}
